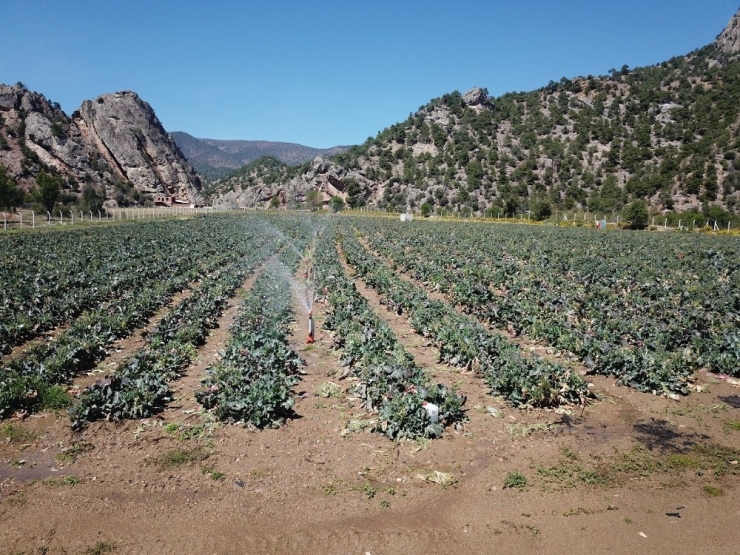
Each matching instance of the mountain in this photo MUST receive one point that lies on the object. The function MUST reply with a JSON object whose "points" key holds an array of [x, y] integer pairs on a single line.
{"points": [[667, 133], [113, 145], [216, 158]]}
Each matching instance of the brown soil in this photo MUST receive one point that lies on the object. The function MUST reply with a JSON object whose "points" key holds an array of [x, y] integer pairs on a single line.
{"points": [[626, 477]]}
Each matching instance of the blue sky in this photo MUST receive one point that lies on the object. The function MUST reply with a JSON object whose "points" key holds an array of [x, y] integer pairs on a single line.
{"points": [[332, 72]]}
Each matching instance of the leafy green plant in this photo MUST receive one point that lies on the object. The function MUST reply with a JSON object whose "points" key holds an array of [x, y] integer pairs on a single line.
{"points": [[515, 480], [389, 380]]}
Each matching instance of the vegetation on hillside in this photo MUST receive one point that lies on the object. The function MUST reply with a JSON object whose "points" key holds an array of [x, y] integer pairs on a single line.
{"points": [[666, 134]]}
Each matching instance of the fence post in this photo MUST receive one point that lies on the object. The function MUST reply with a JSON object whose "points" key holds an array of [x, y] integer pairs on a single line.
{"points": [[5, 222], [33, 220], [21, 215]]}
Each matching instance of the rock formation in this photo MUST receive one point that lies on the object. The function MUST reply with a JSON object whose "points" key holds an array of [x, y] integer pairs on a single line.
{"points": [[114, 139], [128, 134], [324, 176], [729, 39], [477, 97]]}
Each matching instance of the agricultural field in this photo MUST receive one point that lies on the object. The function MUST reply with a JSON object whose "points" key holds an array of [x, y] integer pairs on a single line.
{"points": [[461, 386]]}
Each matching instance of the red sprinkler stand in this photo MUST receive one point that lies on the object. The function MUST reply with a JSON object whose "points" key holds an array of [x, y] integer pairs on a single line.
{"points": [[310, 338]]}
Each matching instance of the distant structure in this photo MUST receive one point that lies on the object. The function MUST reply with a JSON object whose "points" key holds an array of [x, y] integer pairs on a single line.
{"points": [[163, 200]]}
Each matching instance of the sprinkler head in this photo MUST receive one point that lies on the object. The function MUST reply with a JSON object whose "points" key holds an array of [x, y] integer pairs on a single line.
{"points": [[310, 338]]}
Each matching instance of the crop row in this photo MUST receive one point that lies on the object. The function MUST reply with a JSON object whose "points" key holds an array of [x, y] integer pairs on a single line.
{"points": [[252, 381], [31, 380], [389, 380], [50, 278], [647, 311], [139, 386], [463, 341]]}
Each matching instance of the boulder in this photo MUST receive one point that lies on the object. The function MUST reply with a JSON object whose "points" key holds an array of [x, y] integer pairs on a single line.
{"points": [[476, 97]]}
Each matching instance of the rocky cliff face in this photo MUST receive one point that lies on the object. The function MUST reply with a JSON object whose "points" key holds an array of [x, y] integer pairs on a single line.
{"points": [[32, 122], [729, 39], [324, 176], [115, 139], [126, 131]]}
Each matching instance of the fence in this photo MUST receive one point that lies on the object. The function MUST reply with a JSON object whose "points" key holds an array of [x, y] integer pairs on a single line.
{"points": [[27, 219]]}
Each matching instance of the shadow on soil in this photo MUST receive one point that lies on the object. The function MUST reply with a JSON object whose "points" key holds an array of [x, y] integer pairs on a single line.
{"points": [[658, 434], [731, 400]]}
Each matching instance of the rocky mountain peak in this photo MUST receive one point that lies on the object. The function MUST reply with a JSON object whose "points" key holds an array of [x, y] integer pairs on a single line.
{"points": [[17, 97], [729, 39], [114, 139], [133, 141]]}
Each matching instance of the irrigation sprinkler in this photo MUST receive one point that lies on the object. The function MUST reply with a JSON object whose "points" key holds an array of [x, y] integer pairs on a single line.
{"points": [[310, 338], [72, 216], [33, 220], [61, 217], [48, 222]]}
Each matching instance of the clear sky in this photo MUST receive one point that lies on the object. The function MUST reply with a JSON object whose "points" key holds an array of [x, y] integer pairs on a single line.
{"points": [[332, 72]]}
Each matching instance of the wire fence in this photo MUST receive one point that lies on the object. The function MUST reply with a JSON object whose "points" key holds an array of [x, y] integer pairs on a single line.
{"points": [[27, 219]]}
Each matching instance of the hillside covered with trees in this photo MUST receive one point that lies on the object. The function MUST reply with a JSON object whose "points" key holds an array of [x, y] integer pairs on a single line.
{"points": [[668, 134]]}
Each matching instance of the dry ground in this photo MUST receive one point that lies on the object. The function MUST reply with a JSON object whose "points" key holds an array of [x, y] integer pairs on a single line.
{"points": [[634, 473]]}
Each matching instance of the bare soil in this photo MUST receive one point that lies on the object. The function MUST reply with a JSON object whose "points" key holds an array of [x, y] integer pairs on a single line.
{"points": [[634, 473]]}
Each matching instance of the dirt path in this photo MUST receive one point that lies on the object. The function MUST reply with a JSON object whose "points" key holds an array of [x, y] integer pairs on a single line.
{"points": [[173, 484]]}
